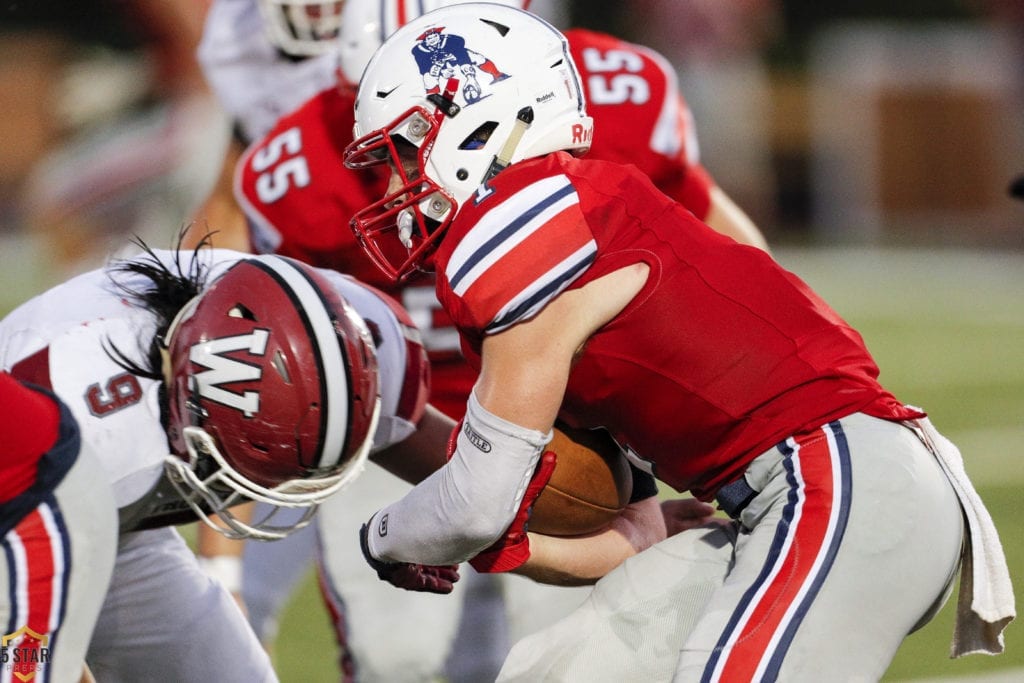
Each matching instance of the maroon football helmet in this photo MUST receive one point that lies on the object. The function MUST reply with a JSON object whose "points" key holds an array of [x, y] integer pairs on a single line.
{"points": [[272, 391]]}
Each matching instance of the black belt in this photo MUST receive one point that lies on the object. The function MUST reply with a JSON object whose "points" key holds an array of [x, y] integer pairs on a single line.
{"points": [[734, 497]]}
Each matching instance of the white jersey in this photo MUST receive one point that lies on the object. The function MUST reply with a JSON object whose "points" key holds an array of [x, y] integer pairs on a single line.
{"points": [[255, 82], [66, 335]]}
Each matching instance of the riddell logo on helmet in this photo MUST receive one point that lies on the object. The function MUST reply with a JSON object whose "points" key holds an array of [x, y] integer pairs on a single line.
{"points": [[581, 134]]}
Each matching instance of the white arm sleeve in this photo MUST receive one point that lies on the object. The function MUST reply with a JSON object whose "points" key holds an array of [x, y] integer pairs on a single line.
{"points": [[467, 504]]}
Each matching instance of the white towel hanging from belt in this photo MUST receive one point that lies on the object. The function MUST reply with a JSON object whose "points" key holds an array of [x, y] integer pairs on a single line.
{"points": [[986, 604]]}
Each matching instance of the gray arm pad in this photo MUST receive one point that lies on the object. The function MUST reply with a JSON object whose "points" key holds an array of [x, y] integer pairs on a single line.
{"points": [[467, 504]]}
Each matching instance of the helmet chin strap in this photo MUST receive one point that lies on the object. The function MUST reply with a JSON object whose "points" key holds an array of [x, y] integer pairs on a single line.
{"points": [[504, 157], [406, 225], [445, 102]]}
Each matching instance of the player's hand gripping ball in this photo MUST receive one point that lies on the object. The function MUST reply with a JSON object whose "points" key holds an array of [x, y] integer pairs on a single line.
{"points": [[590, 486]]}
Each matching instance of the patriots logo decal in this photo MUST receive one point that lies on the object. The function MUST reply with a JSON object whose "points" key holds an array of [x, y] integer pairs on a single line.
{"points": [[443, 57]]}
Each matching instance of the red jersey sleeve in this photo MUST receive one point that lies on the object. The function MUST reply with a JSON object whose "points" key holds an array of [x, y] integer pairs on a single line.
{"points": [[28, 428], [515, 250]]}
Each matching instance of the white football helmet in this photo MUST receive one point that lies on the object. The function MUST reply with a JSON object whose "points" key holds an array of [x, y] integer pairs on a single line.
{"points": [[365, 24], [449, 100], [302, 28], [272, 394]]}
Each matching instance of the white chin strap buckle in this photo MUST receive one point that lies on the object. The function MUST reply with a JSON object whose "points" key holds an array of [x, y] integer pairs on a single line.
{"points": [[406, 224]]}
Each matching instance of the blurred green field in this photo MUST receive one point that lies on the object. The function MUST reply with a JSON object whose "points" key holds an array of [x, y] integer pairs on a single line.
{"points": [[947, 330]]}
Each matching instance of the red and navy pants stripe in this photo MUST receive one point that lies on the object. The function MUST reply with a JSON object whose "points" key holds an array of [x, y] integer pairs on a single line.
{"points": [[761, 629], [38, 556]]}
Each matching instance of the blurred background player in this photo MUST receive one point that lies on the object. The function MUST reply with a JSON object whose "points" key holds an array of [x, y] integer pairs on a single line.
{"points": [[58, 530], [297, 198], [217, 355], [260, 65]]}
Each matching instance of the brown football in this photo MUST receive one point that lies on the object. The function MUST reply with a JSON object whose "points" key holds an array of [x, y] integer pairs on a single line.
{"points": [[591, 484]]}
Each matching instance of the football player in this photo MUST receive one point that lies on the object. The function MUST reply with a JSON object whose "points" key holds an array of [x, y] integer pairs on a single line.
{"points": [[264, 58], [265, 379], [631, 90], [58, 530], [583, 293]]}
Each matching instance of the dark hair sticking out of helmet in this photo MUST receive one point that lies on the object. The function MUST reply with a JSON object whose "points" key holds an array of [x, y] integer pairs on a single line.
{"points": [[167, 293]]}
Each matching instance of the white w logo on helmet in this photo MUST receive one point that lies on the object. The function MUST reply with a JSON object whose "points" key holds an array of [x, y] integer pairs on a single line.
{"points": [[223, 369]]}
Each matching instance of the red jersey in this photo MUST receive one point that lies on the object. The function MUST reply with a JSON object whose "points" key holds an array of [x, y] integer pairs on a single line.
{"points": [[298, 196], [640, 117], [296, 192], [722, 355]]}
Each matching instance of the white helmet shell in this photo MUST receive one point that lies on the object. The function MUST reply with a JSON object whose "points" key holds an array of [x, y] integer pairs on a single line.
{"points": [[367, 23]]}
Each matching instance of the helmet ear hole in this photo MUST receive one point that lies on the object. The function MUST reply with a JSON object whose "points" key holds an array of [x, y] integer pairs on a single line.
{"points": [[479, 137], [502, 29], [240, 311], [278, 362]]}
